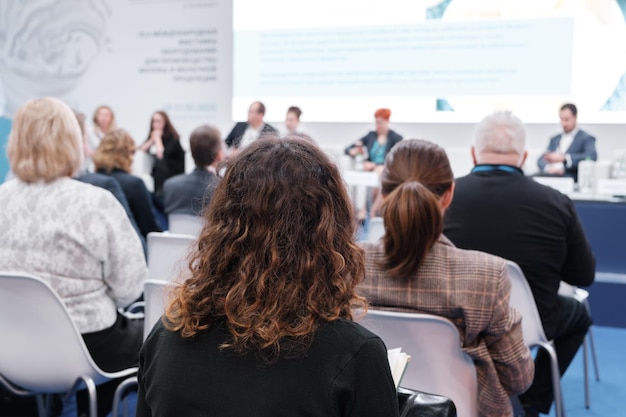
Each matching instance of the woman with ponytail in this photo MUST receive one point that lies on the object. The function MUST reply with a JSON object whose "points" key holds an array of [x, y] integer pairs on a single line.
{"points": [[415, 268]]}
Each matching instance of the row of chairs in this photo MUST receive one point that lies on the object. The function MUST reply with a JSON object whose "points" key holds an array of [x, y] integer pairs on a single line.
{"points": [[57, 360]]}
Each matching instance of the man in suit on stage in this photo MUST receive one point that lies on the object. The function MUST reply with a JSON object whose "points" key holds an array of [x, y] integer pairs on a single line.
{"points": [[497, 209], [244, 133], [566, 150], [190, 194]]}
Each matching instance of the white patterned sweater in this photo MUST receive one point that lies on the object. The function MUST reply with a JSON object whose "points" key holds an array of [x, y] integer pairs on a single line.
{"points": [[78, 238]]}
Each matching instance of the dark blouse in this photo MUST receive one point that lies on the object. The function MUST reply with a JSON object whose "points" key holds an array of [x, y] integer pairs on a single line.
{"points": [[345, 372]]}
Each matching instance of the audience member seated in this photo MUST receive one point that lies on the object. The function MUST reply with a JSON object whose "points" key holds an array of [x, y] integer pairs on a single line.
{"points": [[500, 211], [567, 149], [114, 157], [264, 325], [244, 133], [163, 144], [75, 236], [415, 268], [190, 194], [375, 146]]}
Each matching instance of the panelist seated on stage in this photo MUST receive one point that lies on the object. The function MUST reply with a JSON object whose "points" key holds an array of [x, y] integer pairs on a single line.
{"points": [[191, 193], [375, 146], [244, 133], [567, 149]]}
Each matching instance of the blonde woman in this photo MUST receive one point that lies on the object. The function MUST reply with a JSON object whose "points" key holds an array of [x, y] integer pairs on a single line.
{"points": [[74, 235]]}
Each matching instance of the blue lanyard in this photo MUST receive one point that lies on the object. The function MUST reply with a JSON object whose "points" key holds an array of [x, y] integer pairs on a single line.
{"points": [[505, 168]]}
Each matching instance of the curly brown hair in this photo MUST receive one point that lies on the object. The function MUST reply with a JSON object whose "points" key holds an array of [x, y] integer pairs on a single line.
{"points": [[277, 254], [116, 150]]}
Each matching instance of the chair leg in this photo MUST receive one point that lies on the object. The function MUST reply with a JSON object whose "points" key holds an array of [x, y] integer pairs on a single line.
{"points": [[593, 354], [121, 389], [559, 404], [586, 373], [42, 410], [93, 396]]}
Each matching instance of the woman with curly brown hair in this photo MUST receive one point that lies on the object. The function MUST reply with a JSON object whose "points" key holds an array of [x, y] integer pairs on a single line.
{"points": [[263, 326]]}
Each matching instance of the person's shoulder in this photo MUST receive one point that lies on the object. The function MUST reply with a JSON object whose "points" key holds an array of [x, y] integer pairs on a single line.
{"points": [[346, 332], [544, 192], [586, 135], [88, 195], [176, 180], [465, 260], [99, 180], [269, 128], [394, 135]]}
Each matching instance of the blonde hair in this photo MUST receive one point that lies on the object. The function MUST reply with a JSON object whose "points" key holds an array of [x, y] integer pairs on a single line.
{"points": [[115, 151], [112, 126], [45, 142]]}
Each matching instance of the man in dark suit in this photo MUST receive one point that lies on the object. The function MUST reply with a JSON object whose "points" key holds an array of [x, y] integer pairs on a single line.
{"points": [[567, 149], [190, 194], [244, 133], [496, 209]]}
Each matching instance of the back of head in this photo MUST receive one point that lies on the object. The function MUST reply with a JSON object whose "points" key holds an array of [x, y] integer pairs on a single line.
{"points": [[501, 138], [45, 141], [115, 151], [416, 175], [276, 256], [205, 143]]}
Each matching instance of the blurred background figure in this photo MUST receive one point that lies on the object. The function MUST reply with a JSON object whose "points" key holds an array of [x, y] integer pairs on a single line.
{"points": [[373, 147], [114, 157], [244, 133], [163, 143], [292, 120], [191, 194]]}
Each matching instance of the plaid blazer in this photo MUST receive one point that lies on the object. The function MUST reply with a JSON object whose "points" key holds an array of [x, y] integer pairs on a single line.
{"points": [[472, 290]]}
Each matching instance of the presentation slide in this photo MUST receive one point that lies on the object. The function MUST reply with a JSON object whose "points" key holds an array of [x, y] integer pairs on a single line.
{"points": [[136, 56], [430, 61]]}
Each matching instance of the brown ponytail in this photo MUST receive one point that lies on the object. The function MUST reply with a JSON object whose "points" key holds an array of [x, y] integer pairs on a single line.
{"points": [[413, 223], [416, 174]]}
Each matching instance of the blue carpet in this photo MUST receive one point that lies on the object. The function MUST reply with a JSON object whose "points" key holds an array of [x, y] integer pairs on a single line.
{"points": [[608, 393]]}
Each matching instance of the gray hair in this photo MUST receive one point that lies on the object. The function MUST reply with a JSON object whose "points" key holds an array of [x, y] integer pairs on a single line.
{"points": [[500, 133]]}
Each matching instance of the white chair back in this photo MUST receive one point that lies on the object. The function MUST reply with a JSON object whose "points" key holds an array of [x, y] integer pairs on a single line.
{"points": [[438, 365], [167, 255], [522, 300], [376, 229], [155, 293], [42, 351], [186, 224]]}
